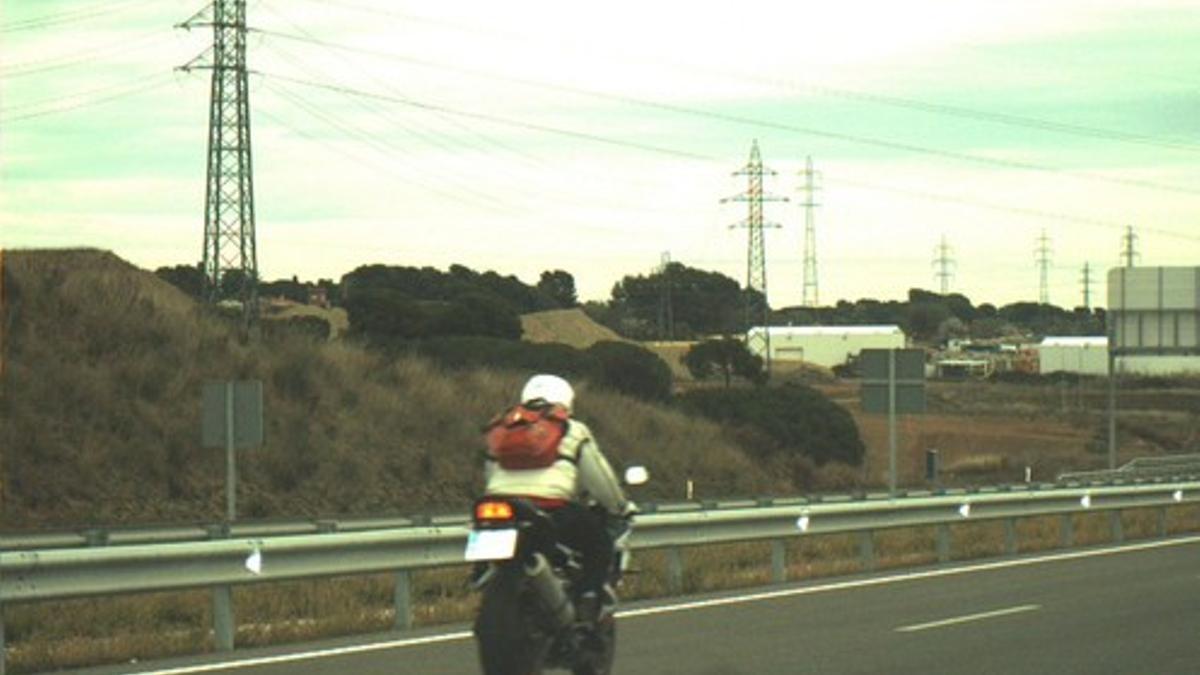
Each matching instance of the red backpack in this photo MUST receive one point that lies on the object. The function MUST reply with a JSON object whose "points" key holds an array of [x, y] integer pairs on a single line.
{"points": [[526, 437]]}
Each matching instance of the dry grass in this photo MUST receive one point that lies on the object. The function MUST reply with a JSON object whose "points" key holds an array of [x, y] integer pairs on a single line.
{"points": [[568, 326]]}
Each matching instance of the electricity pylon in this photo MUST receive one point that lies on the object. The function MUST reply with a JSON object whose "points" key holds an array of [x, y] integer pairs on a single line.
{"points": [[756, 255], [811, 297], [230, 251], [944, 264], [1042, 259]]}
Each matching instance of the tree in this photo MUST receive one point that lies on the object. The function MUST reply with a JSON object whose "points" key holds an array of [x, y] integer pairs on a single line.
{"points": [[705, 303], [559, 286], [187, 278], [727, 355]]}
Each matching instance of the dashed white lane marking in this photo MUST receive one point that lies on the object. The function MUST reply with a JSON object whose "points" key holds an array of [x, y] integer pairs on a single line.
{"points": [[968, 618]]}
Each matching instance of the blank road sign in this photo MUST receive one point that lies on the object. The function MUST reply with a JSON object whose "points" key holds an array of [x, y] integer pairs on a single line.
{"points": [[910, 380], [247, 414]]}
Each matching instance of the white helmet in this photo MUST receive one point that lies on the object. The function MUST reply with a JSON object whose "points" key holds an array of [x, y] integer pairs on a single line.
{"points": [[550, 388]]}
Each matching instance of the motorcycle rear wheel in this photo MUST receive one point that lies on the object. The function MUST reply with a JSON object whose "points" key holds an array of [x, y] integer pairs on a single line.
{"points": [[508, 644]]}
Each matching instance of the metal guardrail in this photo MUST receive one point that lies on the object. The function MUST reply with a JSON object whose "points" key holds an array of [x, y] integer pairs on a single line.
{"points": [[1143, 468], [50, 574]]}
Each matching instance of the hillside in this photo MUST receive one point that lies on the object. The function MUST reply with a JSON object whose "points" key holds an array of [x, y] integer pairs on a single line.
{"points": [[568, 326], [100, 413]]}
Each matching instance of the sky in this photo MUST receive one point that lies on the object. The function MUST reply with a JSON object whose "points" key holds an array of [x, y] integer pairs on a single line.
{"points": [[528, 136]]}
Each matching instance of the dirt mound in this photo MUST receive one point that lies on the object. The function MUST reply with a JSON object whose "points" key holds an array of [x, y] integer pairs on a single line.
{"points": [[569, 326]]}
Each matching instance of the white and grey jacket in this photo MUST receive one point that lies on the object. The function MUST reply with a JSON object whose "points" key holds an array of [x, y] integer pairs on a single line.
{"points": [[581, 473]]}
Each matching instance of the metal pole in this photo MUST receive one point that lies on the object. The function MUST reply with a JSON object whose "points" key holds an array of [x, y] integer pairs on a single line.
{"points": [[892, 422], [403, 600], [2, 640], [778, 561], [866, 549], [223, 617], [1112, 408], [230, 463], [675, 570], [943, 543]]}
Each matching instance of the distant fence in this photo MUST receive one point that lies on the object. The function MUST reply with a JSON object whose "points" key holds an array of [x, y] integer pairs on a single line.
{"points": [[1142, 468]]}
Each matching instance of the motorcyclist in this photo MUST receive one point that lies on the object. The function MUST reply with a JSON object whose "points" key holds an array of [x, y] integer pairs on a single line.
{"points": [[580, 475]]}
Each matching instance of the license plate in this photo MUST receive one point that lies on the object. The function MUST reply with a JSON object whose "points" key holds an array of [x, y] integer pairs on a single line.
{"points": [[491, 544]]}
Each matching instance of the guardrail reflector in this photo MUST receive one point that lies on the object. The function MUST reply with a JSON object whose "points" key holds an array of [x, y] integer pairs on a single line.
{"points": [[1086, 501], [965, 510], [1178, 495], [802, 523], [254, 562]]}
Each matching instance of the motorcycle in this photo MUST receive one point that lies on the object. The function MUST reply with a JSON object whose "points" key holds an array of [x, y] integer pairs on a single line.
{"points": [[527, 621]]}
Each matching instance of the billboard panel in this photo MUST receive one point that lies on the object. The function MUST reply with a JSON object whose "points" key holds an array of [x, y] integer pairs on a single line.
{"points": [[1154, 310]]}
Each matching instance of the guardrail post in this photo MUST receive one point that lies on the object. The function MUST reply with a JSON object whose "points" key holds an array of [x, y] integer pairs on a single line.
{"points": [[2, 648], [675, 570], [1118, 531], [778, 561], [866, 549], [1010, 536], [943, 543], [403, 600], [223, 617], [1162, 522], [1066, 531]]}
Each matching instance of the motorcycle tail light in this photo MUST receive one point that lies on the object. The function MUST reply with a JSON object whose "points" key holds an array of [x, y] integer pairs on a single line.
{"points": [[493, 510]]}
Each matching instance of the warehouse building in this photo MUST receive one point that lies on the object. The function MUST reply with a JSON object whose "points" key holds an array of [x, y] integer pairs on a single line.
{"points": [[827, 346], [1082, 355]]}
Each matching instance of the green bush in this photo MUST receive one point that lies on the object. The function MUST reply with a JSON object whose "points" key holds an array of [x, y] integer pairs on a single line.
{"points": [[794, 417], [632, 370]]}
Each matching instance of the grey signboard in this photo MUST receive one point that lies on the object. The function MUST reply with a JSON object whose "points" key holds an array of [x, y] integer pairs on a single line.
{"points": [[909, 377], [1154, 310], [247, 410]]}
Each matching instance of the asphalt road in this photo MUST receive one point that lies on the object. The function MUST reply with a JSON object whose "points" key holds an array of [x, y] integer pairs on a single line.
{"points": [[1131, 610]]}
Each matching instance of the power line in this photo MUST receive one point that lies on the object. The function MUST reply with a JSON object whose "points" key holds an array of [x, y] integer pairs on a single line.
{"points": [[857, 95], [494, 119], [156, 82], [70, 16], [766, 124]]}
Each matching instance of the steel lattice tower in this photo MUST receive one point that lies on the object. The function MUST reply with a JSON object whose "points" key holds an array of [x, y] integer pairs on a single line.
{"points": [[1043, 263], [1129, 252], [1086, 280], [229, 238], [944, 264], [756, 256], [810, 297]]}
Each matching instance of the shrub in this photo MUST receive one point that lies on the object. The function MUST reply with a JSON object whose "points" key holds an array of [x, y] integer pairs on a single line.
{"points": [[631, 369], [795, 417]]}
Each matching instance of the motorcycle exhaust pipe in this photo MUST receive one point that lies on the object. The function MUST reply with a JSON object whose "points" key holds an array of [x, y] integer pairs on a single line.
{"points": [[548, 589]]}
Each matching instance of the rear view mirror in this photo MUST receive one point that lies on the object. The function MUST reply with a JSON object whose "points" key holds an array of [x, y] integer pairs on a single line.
{"points": [[636, 475]]}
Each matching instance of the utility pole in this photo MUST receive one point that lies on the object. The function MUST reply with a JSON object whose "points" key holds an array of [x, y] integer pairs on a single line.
{"points": [[1129, 254], [944, 265], [756, 256], [666, 313], [1086, 280], [1042, 258], [230, 251], [811, 297]]}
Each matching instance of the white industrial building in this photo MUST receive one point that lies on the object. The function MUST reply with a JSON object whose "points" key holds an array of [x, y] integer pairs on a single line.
{"points": [[1082, 355], [827, 346]]}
